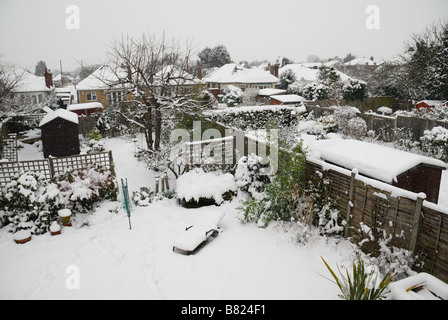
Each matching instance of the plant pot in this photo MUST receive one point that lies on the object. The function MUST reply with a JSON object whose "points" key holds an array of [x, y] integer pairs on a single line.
{"points": [[65, 215], [22, 236], [55, 229]]}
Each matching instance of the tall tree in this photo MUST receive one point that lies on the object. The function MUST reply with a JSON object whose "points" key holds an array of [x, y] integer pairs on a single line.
{"points": [[157, 73], [214, 57], [40, 68]]}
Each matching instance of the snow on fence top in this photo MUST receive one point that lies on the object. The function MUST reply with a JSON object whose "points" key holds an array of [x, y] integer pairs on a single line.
{"points": [[375, 161]]}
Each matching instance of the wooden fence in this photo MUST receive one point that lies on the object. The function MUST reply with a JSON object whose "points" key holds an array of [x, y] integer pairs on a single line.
{"points": [[8, 146], [375, 210], [52, 167], [386, 127], [223, 152]]}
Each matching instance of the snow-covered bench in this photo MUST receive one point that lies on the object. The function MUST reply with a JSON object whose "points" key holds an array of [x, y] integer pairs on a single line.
{"points": [[199, 232]]}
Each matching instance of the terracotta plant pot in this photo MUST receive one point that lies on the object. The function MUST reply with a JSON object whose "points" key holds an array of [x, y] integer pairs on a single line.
{"points": [[22, 236], [55, 229]]}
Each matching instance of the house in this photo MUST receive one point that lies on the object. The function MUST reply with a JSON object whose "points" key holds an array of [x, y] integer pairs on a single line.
{"points": [[286, 99], [31, 88], [102, 86], [59, 132], [426, 105], [399, 168], [108, 87], [241, 77], [85, 108]]}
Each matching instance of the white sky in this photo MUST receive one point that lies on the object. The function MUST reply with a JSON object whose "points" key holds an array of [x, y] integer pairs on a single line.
{"points": [[32, 30]]}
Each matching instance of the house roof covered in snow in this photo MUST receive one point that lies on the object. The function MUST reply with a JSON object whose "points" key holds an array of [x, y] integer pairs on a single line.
{"points": [[375, 161], [307, 74], [102, 78], [233, 73], [59, 113], [362, 62], [30, 83]]}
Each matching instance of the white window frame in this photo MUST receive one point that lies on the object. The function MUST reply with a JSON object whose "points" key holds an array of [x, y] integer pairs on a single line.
{"points": [[92, 95]]}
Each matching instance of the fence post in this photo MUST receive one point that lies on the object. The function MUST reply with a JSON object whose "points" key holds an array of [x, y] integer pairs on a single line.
{"points": [[51, 166], [416, 226], [350, 203]]}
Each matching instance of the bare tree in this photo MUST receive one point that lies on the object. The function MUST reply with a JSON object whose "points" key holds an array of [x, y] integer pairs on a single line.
{"points": [[157, 74], [9, 77]]}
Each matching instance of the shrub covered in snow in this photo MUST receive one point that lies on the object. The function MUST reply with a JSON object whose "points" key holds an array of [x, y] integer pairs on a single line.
{"points": [[250, 177], [315, 91], [83, 189], [196, 186], [282, 194], [348, 121], [30, 201], [232, 96], [435, 143], [354, 89]]}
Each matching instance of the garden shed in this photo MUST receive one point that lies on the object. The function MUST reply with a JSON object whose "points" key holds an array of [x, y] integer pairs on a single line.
{"points": [[59, 132], [399, 168]]}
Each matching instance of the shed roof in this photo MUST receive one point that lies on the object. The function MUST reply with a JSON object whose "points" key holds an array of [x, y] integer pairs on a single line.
{"points": [[84, 106], [59, 113], [291, 98], [375, 161], [270, 92]]}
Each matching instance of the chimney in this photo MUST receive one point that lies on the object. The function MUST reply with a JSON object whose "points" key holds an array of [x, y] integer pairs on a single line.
{"points": [[199, 73], [48, 78], [273, 69]]}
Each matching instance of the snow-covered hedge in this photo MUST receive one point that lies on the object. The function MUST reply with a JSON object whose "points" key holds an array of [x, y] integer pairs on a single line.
{"points": [[435, 143], [257, 117]]}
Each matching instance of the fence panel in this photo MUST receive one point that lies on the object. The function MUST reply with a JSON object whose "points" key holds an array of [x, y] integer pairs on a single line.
{"points": [[54, 166], [377, 211]]}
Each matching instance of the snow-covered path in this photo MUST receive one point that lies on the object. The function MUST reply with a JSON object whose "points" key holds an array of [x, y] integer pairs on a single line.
{"points": [[113, 262]]}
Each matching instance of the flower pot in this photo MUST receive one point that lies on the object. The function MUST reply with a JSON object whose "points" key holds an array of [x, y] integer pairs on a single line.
{"points": [[22, 236], [65, 215], [55, 229]]}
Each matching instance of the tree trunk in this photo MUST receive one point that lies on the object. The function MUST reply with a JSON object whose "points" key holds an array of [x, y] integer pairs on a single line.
{"points": [[148, 131], [158, 128]]}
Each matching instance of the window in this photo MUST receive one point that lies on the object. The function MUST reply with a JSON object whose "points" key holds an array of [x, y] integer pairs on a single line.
{"points": [[91, 96], [115, 97]]}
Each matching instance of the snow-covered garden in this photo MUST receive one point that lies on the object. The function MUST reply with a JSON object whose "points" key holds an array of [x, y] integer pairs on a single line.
{"points": [[115, 262], [101, 257]]}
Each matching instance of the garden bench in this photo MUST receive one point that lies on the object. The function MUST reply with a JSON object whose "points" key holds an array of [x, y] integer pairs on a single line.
{"points": [[198, 233]]}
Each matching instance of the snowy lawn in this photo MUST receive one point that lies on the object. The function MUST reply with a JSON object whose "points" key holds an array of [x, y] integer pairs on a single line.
{"points": [[114, 262]]}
